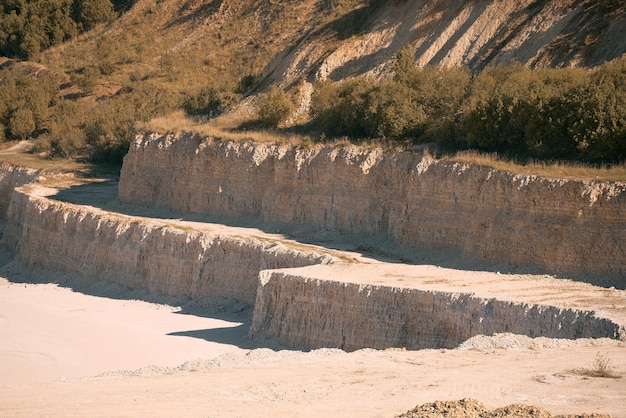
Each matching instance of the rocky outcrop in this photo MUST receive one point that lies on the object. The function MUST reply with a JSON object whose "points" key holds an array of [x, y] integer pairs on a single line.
{"points": [[142, 253], [301, 310], [11, 177], [467, 212]]}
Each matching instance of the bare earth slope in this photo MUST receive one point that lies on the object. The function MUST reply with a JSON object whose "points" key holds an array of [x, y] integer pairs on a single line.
{"points": [[472, 33]]}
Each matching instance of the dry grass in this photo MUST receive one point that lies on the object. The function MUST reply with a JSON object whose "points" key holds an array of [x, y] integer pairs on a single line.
{"points": [[179, 121], [36, 162], [601, 368], [559, 170], [17, 155]]}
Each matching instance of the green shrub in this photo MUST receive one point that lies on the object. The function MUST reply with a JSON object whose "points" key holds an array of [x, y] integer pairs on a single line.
{"points": [[34, 94], [109, 130], [64, 138], [68, 142], [208, 101], [89, 13], [86, 78], [392, 112], [339, 109], [245, 83], [22, 123], [274, 108]]}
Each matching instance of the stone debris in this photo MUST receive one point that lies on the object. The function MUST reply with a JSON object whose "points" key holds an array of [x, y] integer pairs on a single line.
{"points": [[470, 408]]}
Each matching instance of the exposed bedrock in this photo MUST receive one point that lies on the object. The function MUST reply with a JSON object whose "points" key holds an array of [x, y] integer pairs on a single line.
{"points": [[142, 253], [300, 310], [562, 227]]}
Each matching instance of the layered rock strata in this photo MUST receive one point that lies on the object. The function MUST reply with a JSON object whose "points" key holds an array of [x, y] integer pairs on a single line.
{"points": [[333, 306], [472, 213], [143, 253], [365, 303], [11, 177]]}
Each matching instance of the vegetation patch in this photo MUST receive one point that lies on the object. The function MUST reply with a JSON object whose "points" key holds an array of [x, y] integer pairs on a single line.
{"points": [[519, 113], [601, 368]]}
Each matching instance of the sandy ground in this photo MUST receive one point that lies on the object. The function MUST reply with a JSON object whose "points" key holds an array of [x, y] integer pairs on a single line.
{"points": [[65, 353], [52, 333]]}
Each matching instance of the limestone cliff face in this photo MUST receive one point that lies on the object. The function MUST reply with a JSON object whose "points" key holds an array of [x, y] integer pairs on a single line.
{"points": [[562, 227], [10, 178], [328, 313], [142, 253]]}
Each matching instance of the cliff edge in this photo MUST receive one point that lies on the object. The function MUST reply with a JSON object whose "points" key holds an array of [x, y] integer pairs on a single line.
{"points": [[401, 203]]}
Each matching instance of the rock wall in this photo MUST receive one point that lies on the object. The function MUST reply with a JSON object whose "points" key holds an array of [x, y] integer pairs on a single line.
{"points": [[326, 313], [562, 227], [142, 253], [10, 178]]}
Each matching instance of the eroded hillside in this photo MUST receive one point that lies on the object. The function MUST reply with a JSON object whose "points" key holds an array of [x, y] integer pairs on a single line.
{"points": [[339, 39], [209, 58], [318, 39]]}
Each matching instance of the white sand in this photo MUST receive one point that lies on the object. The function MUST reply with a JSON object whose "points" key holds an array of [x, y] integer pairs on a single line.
{"points": [[51, 333]]}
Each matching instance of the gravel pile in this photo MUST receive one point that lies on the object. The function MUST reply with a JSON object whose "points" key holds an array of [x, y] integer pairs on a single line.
{"points": [[469, 408]]}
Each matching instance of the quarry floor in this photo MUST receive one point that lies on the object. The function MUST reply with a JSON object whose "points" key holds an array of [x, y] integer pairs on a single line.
{"points": [[85, 349]]}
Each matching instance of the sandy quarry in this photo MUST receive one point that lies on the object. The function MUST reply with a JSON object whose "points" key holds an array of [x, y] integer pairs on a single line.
{"points": [[74, 347], [71, 353]]}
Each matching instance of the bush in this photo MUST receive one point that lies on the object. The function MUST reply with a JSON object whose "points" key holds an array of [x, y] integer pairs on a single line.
{"points": [[65, 138], [208, 101], [68, 142], [34, 94], [245, 83], [392, 112], [563, 114], [339, 109], [86, 78], [89, 13], [110, 130], [22, 123], [274, 108], [361, 108]]}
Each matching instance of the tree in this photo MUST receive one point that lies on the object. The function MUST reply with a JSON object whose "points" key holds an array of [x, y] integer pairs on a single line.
{"points": [[90, 13], [404, 68], [22, 123], [30, 26], [392, 112]]}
